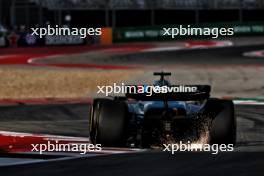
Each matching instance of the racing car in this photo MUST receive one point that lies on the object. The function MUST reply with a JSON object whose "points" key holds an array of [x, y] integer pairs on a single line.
{"points": [[169, 112]]}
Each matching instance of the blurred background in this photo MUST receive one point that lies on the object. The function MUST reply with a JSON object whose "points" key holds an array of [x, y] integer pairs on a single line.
{"points": [[134, 27], [20, 15], [115, 13]]}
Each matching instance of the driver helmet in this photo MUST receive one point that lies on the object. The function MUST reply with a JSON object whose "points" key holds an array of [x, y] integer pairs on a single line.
{"points": [[162, 82]]}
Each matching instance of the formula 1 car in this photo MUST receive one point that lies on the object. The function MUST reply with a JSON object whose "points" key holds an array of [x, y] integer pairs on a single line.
{"points": [[153, 114]]}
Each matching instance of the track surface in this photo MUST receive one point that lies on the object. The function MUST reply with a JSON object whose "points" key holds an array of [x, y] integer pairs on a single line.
{"points": [[149, 164], [68, 119], [229, 56], [73, 119]]}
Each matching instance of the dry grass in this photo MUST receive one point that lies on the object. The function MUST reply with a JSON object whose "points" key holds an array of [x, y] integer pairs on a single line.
{"points": [[20, 83]]}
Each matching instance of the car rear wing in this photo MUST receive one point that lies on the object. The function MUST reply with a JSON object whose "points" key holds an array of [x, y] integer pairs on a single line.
{"points": [[170, 93]]}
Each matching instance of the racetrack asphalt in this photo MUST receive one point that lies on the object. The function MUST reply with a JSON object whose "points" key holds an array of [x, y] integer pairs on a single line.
{"points": [[72, 120], [148, 164], [228, 56]]}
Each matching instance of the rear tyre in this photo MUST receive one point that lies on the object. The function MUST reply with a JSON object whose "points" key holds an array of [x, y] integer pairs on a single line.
{"points": [[94, 111], [223, 126], [108, 123]]}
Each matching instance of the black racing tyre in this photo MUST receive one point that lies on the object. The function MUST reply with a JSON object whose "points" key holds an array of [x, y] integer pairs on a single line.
{"points": [[108, 123], [223, 126], [94, 111]]}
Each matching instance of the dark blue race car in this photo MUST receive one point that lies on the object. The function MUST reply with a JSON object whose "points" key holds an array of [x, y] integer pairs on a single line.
{"points": [[162, 113]]}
